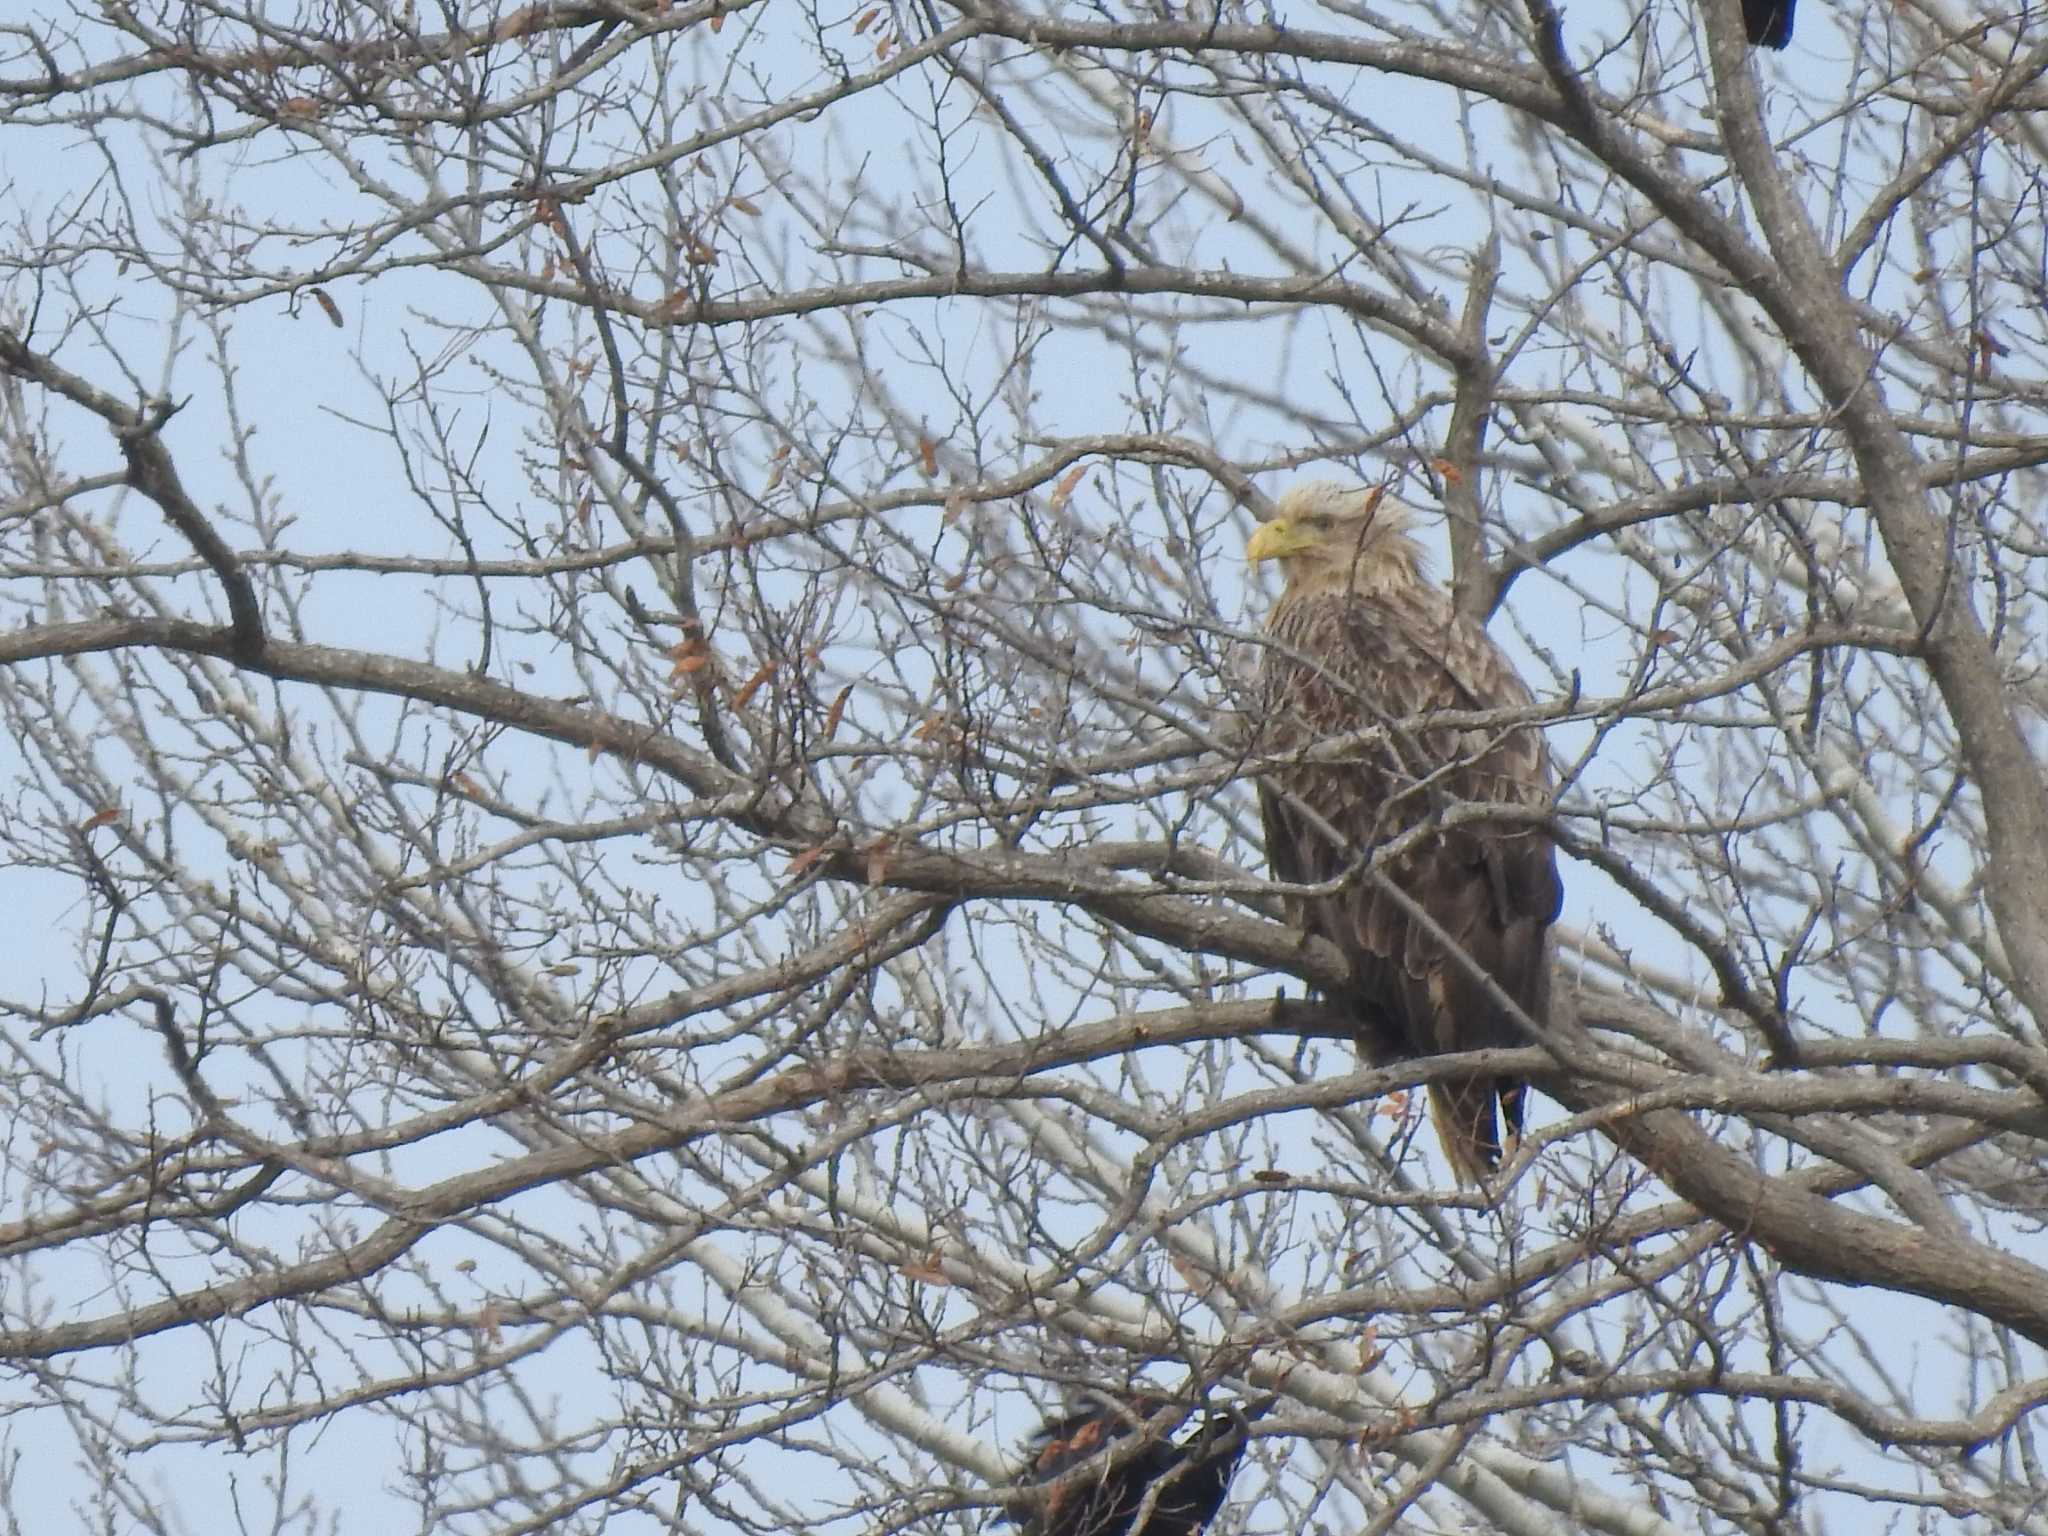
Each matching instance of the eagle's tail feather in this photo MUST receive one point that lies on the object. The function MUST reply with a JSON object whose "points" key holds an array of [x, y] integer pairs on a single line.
{"points": [[1512, 1094], [1463, 1111]]}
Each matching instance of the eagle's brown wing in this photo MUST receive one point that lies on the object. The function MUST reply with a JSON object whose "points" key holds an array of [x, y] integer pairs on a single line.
{"points": [[1339, 665]]}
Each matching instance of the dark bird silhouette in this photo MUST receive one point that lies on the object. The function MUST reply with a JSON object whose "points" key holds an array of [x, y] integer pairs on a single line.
{"points": [[1364, 647], [1768, 22], [1136, 1482]]}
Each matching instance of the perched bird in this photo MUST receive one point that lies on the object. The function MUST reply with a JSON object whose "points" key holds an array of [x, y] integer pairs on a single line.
{"points": [[1151, 1488], [1362, 644], [1768, 22]]}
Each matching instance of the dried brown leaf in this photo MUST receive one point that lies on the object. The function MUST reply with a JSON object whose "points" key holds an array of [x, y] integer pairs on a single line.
{"points": [[753, 685], [1369, 1352], [689, 654], [837, 712]]}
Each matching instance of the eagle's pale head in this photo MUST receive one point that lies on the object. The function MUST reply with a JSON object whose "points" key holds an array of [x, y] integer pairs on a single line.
{"points": [[1333, 537]]}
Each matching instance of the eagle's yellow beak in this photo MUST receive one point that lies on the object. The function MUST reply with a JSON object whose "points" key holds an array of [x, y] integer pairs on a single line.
{"points": [[1279, 539]]}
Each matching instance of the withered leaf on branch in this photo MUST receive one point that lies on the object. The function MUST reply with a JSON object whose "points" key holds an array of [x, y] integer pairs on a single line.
{"points": [[836, 713], [687, 656], [745, 694], [878, 854], [1369, 1351], [1065, 489], [809, 859]]}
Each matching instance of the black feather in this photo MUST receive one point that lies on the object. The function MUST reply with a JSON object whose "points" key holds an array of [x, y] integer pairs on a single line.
{"points": [[1128, 1479], [1768, 22]]}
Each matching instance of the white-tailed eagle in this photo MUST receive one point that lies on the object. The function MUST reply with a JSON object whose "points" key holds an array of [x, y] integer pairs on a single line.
{"points": [[1364, 647]]}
